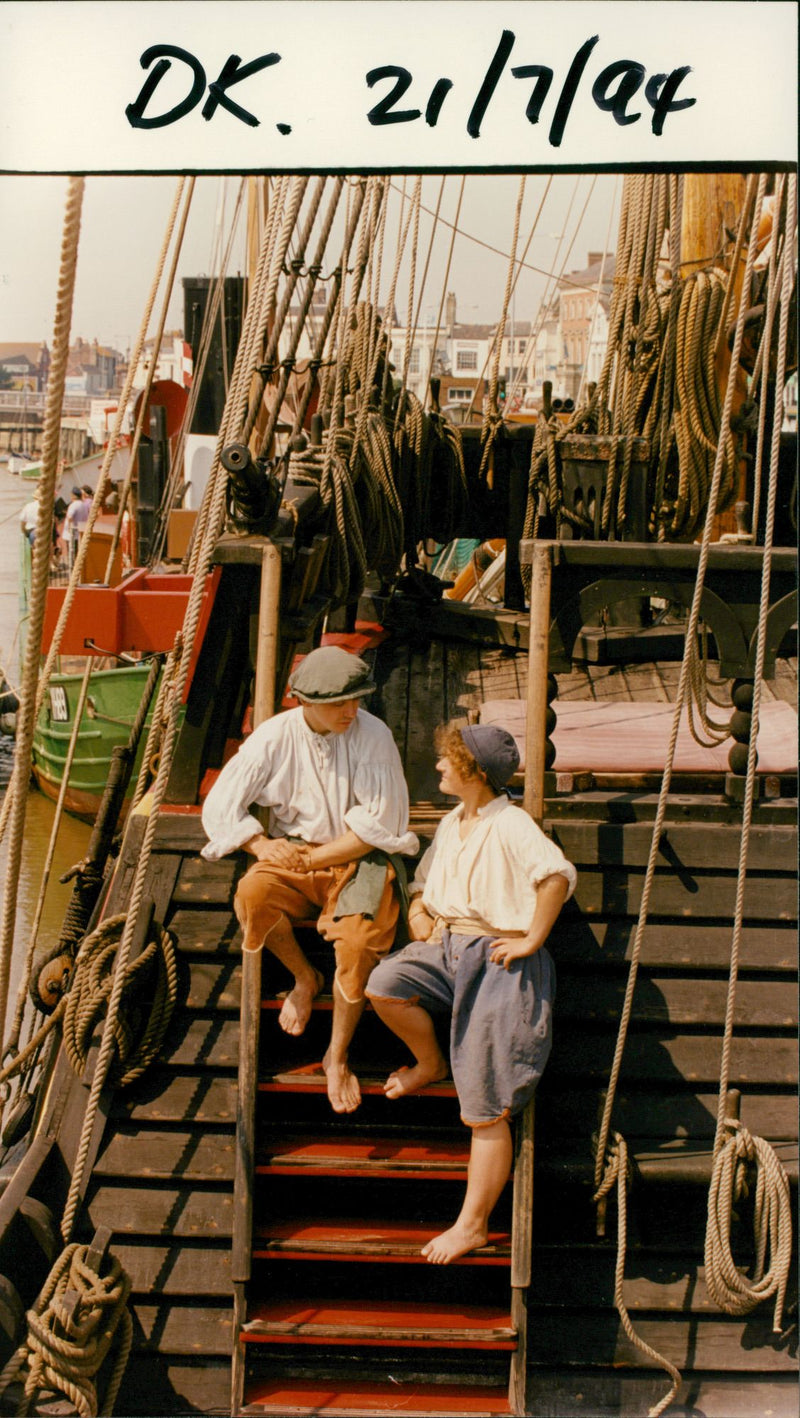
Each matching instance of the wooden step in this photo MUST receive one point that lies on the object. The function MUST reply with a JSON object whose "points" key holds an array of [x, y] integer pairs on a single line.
{"points": [[353, 1155], [345, 1238], [367, 1322], [310, 1078], [338, 1398]]}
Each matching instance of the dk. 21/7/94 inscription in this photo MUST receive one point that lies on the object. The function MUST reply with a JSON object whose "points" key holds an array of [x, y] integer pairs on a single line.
{"points": [[615, 90]]}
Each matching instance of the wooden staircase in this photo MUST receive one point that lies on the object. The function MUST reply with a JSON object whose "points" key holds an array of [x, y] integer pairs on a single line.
{"points": [[339, 1312]]}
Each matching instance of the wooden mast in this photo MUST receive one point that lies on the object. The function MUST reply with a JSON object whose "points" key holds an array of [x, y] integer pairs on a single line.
{"points": [[711, 211]]}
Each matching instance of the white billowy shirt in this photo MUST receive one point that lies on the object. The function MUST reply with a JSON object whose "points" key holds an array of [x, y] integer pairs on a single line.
{"points": [[316, 786], [490, 879]]}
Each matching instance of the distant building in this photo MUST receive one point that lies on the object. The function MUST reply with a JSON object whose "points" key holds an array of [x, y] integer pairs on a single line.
{"points": [[174, 361], [26, 365], [583, 304]]}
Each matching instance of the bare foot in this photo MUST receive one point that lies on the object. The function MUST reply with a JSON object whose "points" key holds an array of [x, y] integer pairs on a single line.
{"points": [[409, 1080], [296, 1010], [344, 1090], [454, 1243]]}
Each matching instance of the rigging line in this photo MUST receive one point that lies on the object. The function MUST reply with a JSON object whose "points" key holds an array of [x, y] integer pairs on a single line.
{"points": [[175, 677], [149, 381], [113, 444], [552, 277], [17, 793], [738, 1296], [454, 229], [680, 698], [22, 992], [198, 371], [426, 268], [495, 250], [530, 336]]}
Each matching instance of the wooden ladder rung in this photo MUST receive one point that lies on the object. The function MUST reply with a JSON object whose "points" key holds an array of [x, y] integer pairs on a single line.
{"points": [[367, 1322], [346, 1238], [370, 1155], [341, 1398]]}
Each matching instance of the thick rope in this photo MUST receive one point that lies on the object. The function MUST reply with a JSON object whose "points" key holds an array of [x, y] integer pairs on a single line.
{"points": [[17, 792], [734, 1148], [173, 684], [605, 1161], [617, 1178], [67, 1344], [90, 988]]}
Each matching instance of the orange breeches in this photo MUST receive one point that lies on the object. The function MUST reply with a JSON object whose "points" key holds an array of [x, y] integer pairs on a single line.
{"points": [[268, 894]]}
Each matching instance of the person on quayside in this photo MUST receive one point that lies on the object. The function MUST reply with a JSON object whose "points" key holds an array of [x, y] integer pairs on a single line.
{"points": [[330, 775]]}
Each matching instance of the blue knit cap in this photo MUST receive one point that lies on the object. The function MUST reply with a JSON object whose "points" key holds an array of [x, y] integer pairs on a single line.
{"points": [[494, 750]]}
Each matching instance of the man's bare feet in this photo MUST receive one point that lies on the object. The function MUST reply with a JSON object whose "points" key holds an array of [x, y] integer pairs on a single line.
{"points": [[454, 1243], [409, 1080], [344, 1090], [296, 1010]]}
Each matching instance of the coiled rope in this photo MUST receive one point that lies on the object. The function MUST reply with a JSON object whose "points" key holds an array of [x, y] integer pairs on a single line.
{"points": [[76, 1320], [90, 988]]}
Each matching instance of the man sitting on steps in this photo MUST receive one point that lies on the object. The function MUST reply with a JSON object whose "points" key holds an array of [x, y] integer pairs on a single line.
{"points": [[330, 775]]}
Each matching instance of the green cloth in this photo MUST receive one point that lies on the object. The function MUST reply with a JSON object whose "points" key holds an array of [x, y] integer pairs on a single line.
{"points": [[361, 896]]}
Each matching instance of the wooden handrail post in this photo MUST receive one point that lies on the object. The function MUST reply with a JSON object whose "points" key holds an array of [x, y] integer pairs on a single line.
{"points": [[268, 630], [536, 712]]}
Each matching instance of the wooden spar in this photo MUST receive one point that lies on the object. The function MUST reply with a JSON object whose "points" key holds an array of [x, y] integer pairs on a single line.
{"points": [[538, 644], [267, 649], [711, 211], [522, 1203]]}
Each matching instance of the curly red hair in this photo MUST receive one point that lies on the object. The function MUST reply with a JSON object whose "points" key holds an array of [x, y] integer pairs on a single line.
{"points": [[449, 744]]}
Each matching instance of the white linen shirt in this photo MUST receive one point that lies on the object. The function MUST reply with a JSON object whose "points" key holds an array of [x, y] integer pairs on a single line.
{"points": [[316, 786], [491, 878]]}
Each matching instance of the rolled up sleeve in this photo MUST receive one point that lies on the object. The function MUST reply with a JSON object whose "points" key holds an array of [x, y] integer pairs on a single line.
{"points": [[380, 814], [226, 820]]}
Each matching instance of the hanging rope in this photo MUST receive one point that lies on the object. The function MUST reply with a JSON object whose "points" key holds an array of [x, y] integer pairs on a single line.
{"points": [[606, 1160], [164, 731], [617, 1179], [736, 1153], [17, 792], [77, 1320]]}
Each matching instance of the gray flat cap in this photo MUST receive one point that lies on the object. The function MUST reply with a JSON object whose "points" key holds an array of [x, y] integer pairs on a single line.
{"points": [[329, 675]]}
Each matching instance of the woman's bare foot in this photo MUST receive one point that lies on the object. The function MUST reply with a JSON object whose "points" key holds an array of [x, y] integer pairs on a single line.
{"points": [[454, 1243], [296, 1010], [344, 1090], [409, 1080]]}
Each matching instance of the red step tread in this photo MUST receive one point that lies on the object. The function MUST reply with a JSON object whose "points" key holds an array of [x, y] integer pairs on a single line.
{"points": [[310, 1078], [354, 1155], [364, 1322], [413, 1400], [346, 1238]]}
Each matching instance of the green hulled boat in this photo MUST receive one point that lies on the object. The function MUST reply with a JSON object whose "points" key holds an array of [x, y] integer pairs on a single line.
{"points": [[111, 705]]}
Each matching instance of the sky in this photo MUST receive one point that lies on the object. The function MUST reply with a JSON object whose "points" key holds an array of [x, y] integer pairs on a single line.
{"points": [[124, 218]]}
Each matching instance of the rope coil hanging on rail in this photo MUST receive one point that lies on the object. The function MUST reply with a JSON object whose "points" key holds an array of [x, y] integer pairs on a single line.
{"points": [[77, 1320]]}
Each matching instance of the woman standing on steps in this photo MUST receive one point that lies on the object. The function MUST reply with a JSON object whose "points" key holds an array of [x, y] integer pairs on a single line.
{"points": [[484, 900]]}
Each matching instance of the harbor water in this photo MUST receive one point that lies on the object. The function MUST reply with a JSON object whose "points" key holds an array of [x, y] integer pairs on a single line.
{"points": [[73, 835]]}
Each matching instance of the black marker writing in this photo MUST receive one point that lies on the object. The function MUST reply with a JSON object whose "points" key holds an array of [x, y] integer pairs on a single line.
{"points": [[232, 72], [613, 91]]}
